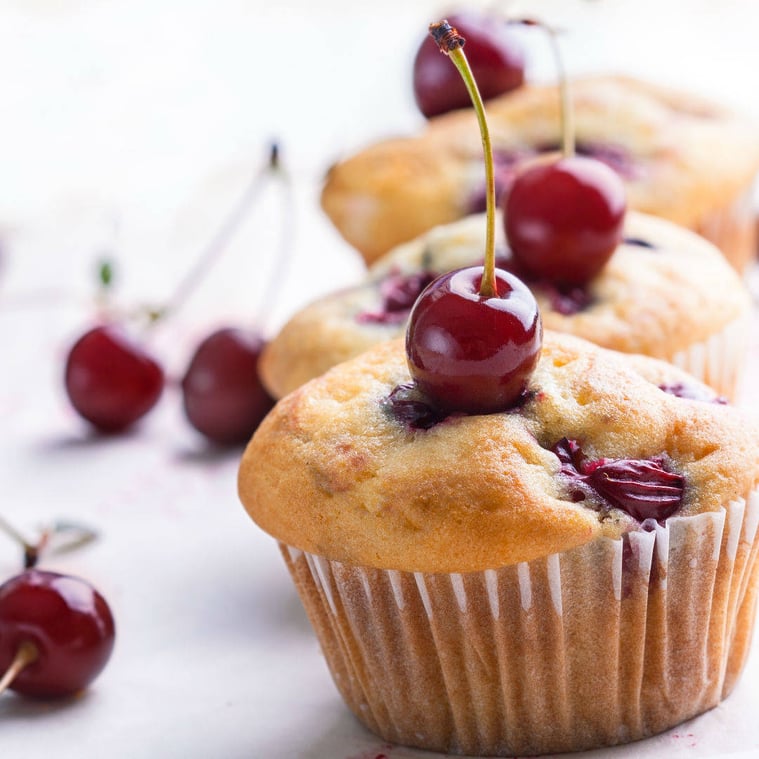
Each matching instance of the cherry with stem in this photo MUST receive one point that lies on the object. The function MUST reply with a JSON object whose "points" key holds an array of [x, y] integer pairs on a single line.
{"points": [[56, 634], [111, 379], [563, 216], [474, 335], [56, 631]]}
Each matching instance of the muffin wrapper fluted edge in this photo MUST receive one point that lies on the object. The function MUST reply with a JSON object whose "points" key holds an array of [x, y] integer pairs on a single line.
{"points": [[732, 228], [718, 361], [604, 644]]}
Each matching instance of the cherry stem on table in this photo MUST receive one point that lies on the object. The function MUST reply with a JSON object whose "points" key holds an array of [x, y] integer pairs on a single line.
{"points": [[451, 43], [221, 238], [284, 249], [26, 654]]}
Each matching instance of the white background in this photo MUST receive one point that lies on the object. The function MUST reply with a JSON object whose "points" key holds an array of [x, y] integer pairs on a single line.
{"points": [[129, 128]]}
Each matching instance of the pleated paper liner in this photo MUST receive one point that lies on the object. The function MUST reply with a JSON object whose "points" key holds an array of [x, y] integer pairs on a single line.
{"points": [[732, 228], [604, 644], [720, 360]]}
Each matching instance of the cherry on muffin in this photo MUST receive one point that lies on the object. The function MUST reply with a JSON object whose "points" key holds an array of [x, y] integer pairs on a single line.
{"points": [[474, 335], [563, 216]]}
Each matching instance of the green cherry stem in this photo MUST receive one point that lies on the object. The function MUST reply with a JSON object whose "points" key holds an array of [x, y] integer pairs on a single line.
{"points": [[451, 43]]}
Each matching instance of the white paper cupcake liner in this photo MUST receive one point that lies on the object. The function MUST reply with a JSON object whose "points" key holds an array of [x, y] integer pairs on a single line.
{"points": [[720, 360], [608, 643], [732, 228]]}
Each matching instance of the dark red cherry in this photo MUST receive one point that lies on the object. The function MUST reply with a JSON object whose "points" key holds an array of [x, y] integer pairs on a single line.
{"points": [[66, 624], [495, 56], [563, 218], [222, 392], [469, 352], [111, 380]]}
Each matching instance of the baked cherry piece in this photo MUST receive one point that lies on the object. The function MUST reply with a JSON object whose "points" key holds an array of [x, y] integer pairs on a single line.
{"points": [[110, 380], [222, 393], [472, 352], [56, 634], [495, 55], [644, 488], [694, 392], [398, 292], [563, 218]]}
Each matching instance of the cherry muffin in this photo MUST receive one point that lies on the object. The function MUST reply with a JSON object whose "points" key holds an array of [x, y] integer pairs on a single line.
{"points": [[682, 158], [578, 570], [665, 293]]}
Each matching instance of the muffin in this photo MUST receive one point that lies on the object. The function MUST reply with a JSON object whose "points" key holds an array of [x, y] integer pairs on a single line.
{"points": [[665, 293], [549, 578], [682, 158]]}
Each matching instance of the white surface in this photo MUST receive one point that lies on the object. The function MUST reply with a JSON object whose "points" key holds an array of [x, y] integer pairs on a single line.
{"points": [[132, 126]]}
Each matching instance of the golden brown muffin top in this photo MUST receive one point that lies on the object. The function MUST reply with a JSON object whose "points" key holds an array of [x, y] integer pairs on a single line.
{"points": [[655, 300], [679, 155], [334, 471]]}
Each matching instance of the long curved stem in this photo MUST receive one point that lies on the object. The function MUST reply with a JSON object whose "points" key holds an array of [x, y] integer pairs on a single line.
{"points": [[566, 111], [451, 42], [221, 237], [283, 252]]}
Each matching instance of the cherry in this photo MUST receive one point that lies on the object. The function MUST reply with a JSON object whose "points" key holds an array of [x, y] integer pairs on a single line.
{"points": [[472, 352], [563, 218], [474, 335], [56, 634], [494, 53], [110, 380], [563, 215], [221, 389], [643, 488]]}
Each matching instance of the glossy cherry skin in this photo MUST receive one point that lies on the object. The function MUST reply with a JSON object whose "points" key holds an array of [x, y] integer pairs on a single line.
{"points": [[110, 380], [69, 623], [471, 353], [494, 54], [563, 218], [221, 389]]}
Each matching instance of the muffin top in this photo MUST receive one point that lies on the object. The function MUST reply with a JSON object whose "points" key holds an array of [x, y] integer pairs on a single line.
{"points": [[357, 467], [679, 156], [663, 290]]}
